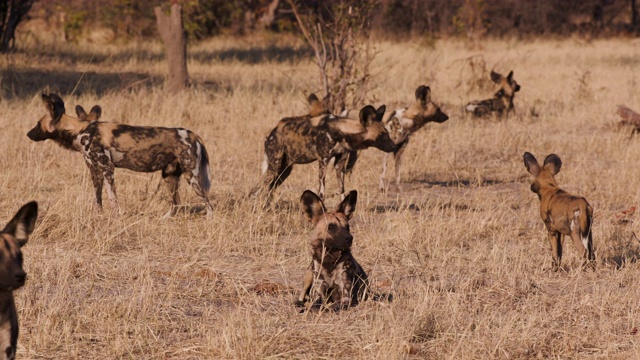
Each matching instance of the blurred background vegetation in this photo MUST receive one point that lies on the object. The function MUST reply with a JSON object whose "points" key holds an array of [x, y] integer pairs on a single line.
{"points": [[124, 20]]}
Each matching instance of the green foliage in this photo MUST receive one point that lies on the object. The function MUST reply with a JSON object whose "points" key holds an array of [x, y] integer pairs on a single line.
{"points": [[73, 25]]}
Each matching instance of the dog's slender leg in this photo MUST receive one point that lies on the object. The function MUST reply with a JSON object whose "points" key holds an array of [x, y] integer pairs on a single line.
{"points": [[341, 168], [383, 174], [111, 190], [98, 180], [398, 163], [555, 239], [322, 166], [173, 182], [306, 285]]}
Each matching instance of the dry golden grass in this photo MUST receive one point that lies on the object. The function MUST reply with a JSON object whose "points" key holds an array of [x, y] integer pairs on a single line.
{"points": [[462, 249]]}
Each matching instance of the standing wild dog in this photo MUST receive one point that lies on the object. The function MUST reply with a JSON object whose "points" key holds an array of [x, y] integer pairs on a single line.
{"points": [[403, 122], [12, 276], [502, 100], [562, 213], [106, 146], [338, 277], [313, 137]]}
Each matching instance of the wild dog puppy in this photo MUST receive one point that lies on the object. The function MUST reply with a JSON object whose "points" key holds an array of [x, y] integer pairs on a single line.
{"points": [[106, 146], [403, 122], [562, 213], [309, 138], [339, 279], [12, 276], [502, 100]]}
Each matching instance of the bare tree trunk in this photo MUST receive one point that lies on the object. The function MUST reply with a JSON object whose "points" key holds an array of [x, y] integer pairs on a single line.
{"points": [[173, 36], [11, 13], [634, 15], [269, 16]]}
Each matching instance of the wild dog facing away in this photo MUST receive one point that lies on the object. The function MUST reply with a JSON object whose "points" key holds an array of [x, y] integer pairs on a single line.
{"points": [[309, 138], [106, 146], [339, 280], [502, 100], [14, 235], [403, 122], [562, 213]]}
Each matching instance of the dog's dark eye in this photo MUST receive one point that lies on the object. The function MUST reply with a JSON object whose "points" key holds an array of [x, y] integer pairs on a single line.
{"points": [[332, 227]]}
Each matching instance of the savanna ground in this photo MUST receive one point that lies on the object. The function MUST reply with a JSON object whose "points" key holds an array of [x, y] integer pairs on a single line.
{"points": [[462, 249]]}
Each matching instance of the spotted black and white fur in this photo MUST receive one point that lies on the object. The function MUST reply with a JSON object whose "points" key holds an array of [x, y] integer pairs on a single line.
{"points": [[107, 145]]}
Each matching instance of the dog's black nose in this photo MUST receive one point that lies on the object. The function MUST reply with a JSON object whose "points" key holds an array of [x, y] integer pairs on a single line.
{"points": [[21, 276], [349, 240]]}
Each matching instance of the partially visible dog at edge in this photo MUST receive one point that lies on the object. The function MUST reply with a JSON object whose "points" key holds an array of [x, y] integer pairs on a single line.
{"points": [[107, 145], [502, 100], [334, 280], [562, 213], [320, 136], [403, 122], [12, 276]]}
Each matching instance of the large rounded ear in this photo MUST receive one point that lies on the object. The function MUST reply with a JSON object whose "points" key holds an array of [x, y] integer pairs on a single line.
{"points": [[495, 77], [367, 115], [95, 113], [55, 107], [423, 94], [312, 98], [531, 164], [22, 224], [348, 205], [552, 163], [510, 76], [82, 115], [380, 112], [312, 206]]}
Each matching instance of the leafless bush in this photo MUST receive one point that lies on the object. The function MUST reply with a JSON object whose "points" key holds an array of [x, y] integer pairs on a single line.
{"points": [[339, 33]]}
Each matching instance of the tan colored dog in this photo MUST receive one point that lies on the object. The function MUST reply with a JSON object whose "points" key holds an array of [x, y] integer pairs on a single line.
{"points": [[339, 280], [562, 213], [106, 146], [12, 276]]}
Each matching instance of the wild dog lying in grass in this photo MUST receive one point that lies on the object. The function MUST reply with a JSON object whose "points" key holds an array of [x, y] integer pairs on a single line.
{"points": [[12, 276], [106, 146], [403, 122], [339, 280], [502, 100], [562, 213], [309, 138]]}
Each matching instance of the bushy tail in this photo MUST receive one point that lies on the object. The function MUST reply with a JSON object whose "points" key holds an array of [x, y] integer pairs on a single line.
{"points": [[204, 177], [586, 218]]}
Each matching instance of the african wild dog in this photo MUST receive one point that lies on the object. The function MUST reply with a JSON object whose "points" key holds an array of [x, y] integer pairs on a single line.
{"points": [[106, 146], [403, 122], [562, 213], [309, 138], [12, 276], [502, 100], [339, 279], [93, 115]]}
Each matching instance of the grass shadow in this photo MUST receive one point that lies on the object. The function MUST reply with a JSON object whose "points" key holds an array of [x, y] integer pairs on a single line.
{"points": [[252, 56], [25, 83]]}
